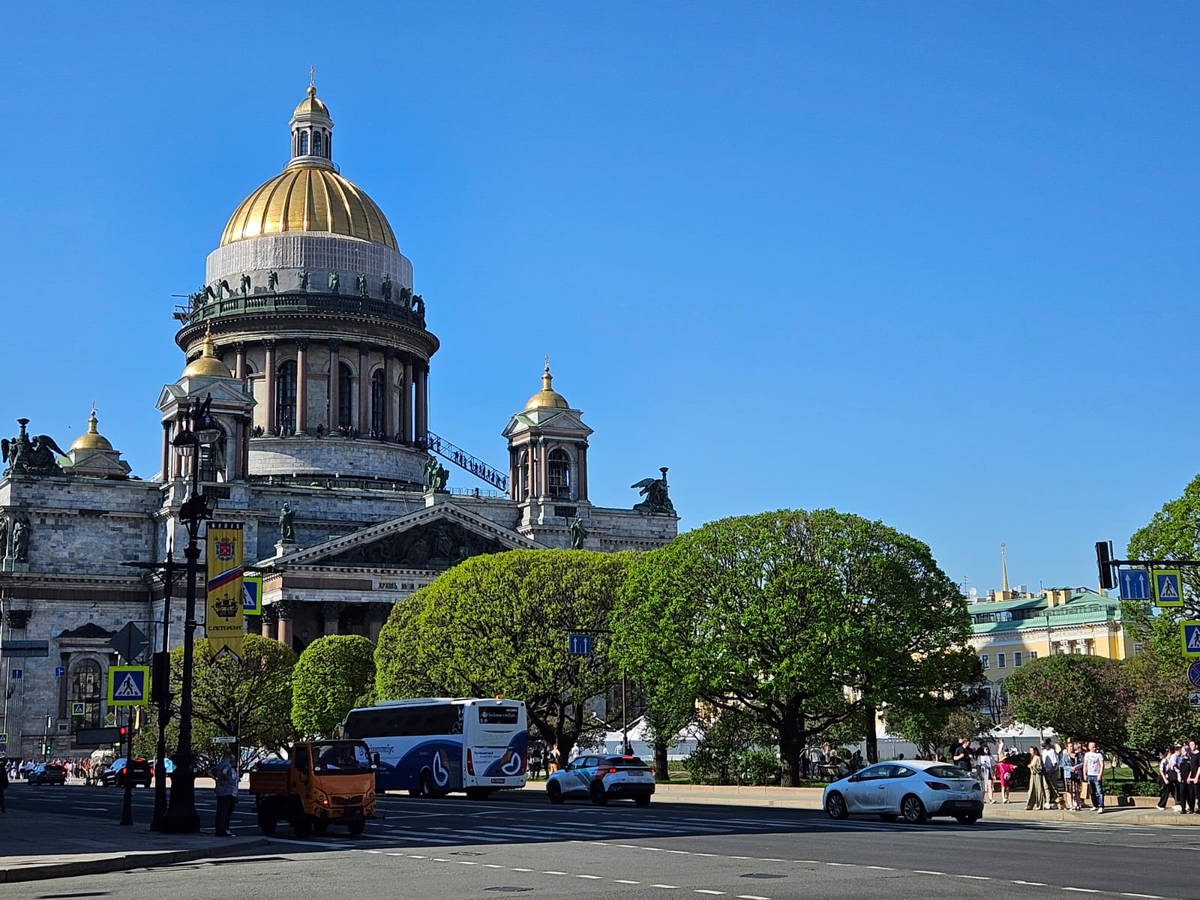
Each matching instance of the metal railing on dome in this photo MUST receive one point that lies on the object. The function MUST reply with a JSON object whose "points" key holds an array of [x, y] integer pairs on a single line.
{"points": [[299, 302]]}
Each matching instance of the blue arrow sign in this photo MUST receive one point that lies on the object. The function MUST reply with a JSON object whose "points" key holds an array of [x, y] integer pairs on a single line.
{"points": [[579, 645], [59, 671], [1135, 584]]}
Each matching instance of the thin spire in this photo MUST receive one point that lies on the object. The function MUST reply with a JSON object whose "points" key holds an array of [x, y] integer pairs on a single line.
{"points": [[312, 80], [1003, 569]]}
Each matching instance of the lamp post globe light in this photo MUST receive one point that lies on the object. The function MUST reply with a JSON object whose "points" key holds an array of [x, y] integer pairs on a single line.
{"points": [[200, 430]]}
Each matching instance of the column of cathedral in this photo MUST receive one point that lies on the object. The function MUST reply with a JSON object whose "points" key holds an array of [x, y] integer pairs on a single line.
{"points": [[269, 384], [335, 385], [364, 391], [302, 386], [407, 393]]}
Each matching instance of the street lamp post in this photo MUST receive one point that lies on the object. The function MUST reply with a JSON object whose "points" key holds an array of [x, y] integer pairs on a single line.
{"points": [[200, 430]]}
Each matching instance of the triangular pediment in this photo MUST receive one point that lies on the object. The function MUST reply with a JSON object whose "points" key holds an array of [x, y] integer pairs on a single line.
{"points": [[224, 391], [551, 421], [434, 538]]}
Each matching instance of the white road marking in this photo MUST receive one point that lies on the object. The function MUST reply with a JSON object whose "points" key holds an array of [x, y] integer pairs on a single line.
{"points": [[624, 881], [714, 893], [931, 872], [589, 877], [552, 872], [669, 887], [492, 866], [1031, 883], [975, 877], [1082, 890], [751, 897], [518, 869], [464, 862], [1145, 896]]}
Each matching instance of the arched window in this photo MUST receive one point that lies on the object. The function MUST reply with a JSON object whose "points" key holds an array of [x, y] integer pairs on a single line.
{"points": [[285, 397], [378, 404], [345, 397], [86, 688], [304, 143], [559, 475], [317, 144], [523, 475]]}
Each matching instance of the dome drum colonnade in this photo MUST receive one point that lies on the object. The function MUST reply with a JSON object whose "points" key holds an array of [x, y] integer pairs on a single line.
{"points": [[321, 360]]}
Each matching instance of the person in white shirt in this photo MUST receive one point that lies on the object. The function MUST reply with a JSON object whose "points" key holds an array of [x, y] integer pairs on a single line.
{"points": [[1050, 765], [1093, 772], [987, 767]]}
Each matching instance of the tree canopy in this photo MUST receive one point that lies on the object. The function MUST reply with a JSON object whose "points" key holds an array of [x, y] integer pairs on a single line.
{"points": [[331, 675], [248, 699], [498, 625], [801, 619]]}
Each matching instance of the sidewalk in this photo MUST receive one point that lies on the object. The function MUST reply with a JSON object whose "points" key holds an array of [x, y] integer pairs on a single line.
{"points": [[41, 845]]}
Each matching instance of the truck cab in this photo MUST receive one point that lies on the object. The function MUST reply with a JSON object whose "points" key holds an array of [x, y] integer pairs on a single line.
{"points": [[323, 783]]}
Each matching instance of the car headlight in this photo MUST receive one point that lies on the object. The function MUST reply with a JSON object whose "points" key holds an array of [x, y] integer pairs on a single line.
{"points": [[322, 799]]}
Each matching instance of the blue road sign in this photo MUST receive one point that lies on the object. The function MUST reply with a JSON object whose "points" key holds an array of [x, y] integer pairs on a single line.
{"points": [[1135, 584], [127, 685], [59, 671], [16, 674], [1191, 637], [1167, 588], [1194, 674], [580, 644]]}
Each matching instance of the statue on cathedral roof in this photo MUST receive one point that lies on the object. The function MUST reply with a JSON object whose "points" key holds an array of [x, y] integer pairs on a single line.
{"points": [[31, 456], [657, 501]]}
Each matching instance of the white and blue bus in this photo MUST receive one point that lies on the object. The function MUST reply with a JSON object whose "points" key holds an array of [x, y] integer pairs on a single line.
{"points": [[431, 746]]}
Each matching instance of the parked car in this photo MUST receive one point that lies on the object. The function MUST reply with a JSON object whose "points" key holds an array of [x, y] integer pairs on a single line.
{"points": [[602, 778], [48, 773], [914, 790], [136, 771]]}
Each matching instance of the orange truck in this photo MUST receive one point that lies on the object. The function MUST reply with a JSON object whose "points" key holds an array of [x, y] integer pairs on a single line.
{"points": [[324, 783]]}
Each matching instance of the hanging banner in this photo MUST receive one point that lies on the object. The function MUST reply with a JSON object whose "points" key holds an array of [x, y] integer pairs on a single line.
{"points": [[224, 620]]}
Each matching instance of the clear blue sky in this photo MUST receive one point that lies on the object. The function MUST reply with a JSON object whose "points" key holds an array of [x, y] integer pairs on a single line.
{"points": [[929, 263]]}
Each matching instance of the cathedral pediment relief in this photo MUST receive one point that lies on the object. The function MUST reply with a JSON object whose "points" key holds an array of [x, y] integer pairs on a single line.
{"points": [[430, 539]]}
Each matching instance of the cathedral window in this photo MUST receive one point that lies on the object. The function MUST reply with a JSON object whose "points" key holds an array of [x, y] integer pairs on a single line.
{"points": [[304, 143], [345, 397], [559, 475], [523, 475], [317, 143], [285, 398], [86, 681], [212, 460], [378, 404]]}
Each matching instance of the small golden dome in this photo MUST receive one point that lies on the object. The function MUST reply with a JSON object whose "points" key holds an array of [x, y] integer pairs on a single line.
{"points": [[310, 105], [547, 398], [309, 198], [207, 363], [93, 439]]}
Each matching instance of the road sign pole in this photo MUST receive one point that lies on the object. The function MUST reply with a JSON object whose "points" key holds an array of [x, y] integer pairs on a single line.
{"points": [[127, 803]]}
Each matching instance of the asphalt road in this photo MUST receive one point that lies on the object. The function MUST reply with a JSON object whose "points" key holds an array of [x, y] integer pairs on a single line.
{"points": [[520, 844]]}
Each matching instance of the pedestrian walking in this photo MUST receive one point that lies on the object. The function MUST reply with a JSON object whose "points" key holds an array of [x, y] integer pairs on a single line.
{"points": [[1050, 773], [555, 759], [1071, 761], [987, 767], [225, 776], [962, 755], [1037, 781], [1166, 774], [3, 783], [1093, 773], [1189, 768]]}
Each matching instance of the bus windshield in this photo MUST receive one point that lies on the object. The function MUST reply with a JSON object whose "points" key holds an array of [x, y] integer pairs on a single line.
{"points": [[343, 758]]}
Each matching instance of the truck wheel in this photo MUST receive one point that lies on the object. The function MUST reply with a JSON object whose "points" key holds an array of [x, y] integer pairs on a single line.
{"points": [[356, 827], [302, 825], [320, 826], [267, 821]]}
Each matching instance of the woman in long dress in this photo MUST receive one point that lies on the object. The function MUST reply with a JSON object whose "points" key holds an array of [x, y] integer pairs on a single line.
{"points": [[987, 765], [1037, 781]]}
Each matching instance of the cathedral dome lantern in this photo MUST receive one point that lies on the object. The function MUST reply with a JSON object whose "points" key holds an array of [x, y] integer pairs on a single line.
{"points": [[92, 439], [547, 397], [207, 363]]}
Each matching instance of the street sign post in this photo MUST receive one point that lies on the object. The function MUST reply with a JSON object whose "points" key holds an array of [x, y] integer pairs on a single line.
{"points": [[1167, 588], [128, 685], [1190, 632], [129, 642], [579, 644], [1135, 584]]}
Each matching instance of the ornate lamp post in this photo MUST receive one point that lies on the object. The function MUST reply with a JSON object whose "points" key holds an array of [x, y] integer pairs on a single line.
{"points": [[200, 430]]}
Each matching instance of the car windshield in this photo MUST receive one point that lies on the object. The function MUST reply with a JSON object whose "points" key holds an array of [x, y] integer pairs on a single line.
{"points": [[946, 772], [343, 758]]}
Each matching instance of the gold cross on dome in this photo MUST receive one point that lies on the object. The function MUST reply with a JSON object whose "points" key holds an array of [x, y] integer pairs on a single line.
{"points": [[312, 76], [547, 362]]}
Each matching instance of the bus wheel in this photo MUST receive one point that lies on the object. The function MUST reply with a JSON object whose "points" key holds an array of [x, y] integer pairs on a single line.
{"points": [[356, 827], [320, 826], [426, 784], [302, 825], [477, 793]]}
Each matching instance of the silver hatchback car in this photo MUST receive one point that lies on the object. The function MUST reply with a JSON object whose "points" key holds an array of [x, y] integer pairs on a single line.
{"points": [[912, 789]]}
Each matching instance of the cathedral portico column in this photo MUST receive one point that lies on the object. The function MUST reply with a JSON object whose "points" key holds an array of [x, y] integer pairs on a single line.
{"points": [[389, 378], [239, 365], [302, 386], [166, 452], [335, 386], [269, 379], [364, 391], [422, 425], [270, 622], [581, 489], [543, 477], [286, 611], [407, 411]]}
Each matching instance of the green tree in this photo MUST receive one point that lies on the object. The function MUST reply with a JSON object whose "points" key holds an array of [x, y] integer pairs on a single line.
{"points": [[249, 699], [498, 625], [800, 619], [331, 675], [1086, 698]]}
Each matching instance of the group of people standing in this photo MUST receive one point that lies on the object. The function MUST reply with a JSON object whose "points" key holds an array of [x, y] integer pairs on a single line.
{"points": [[1061, 774], [1180, 773]]}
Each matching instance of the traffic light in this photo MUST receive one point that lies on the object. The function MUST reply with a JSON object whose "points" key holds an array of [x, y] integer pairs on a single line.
{"points": [[46, 749], [124, 731], [1104, 564]]}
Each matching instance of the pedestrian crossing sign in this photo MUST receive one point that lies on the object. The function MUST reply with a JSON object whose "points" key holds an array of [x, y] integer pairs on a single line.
{"points": [[127, 685], [77, 709], [1167, 586], [1191, 638]]}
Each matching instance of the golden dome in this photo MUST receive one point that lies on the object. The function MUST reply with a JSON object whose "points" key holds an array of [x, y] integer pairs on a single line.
{"points": [[93, 439], [207, 363], [310, 105], [310, 198], [547, 398]]}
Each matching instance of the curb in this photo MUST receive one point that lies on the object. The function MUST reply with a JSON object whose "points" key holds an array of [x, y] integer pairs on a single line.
{"points": [[123, 862]]}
